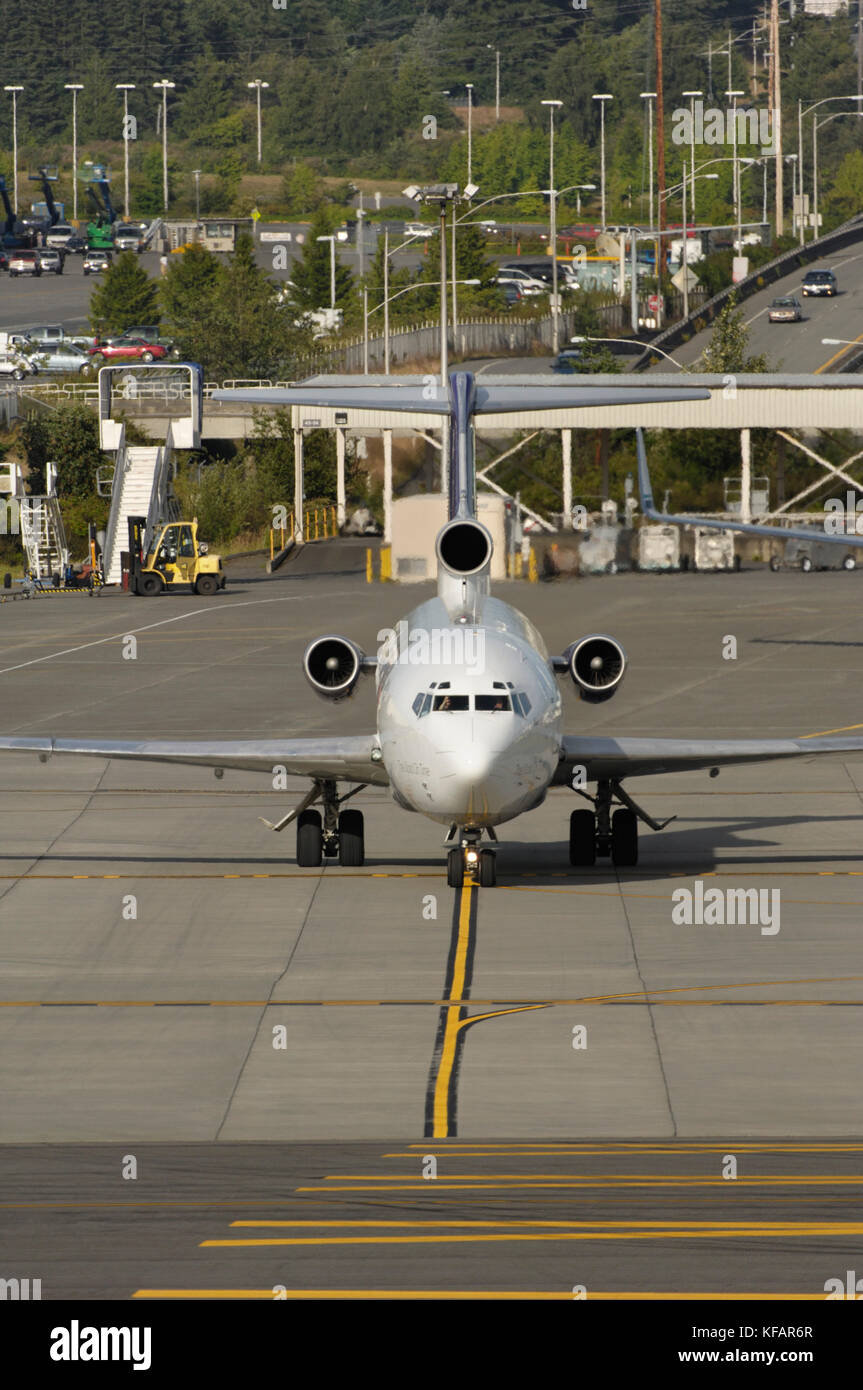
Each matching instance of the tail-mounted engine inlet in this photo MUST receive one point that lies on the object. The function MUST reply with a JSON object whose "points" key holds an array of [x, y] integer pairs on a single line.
{"points": [[464, 547]]}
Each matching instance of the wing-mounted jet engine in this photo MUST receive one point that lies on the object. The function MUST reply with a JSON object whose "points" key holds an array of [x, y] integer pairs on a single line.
{"points": [[596, 665], [333, 665]]}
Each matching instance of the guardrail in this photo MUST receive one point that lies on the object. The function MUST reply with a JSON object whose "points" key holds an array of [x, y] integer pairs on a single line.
{"points": [[319, 524], [699, 319]]}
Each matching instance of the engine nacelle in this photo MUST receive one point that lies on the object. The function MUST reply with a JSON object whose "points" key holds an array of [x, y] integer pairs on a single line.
{"points": [[464, 547], [332, 666], [596, 665]]}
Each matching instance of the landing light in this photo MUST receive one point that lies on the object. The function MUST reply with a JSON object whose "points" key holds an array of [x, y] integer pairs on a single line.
{"points": [[472, 856]]}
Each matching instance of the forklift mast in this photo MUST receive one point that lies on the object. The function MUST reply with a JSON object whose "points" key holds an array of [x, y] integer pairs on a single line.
{"points": [[137, 525]]}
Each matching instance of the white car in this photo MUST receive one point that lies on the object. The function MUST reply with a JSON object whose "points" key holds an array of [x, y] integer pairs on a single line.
{"points": [[418, 229], [16, 367]]}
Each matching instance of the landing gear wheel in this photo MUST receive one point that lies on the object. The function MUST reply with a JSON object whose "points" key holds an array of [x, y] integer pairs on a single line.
{"points": [[351, 839], [849, 563], [150, 585], [310, 840], [206, 585], [582, 839], [624, 838], [487, 869], [806, 564], [455, 869]]}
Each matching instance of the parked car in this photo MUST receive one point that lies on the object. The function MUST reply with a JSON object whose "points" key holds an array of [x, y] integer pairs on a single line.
{"points": [[131, 347], [569, 360], [526, 283], [819, 282], [76, 245], [96, 262], [59, 235], [16, 366], [418, 229], [24, 263], [51, 259], [149, 332], [785, 310], [816, 554], [512, 293], [61, 357]]}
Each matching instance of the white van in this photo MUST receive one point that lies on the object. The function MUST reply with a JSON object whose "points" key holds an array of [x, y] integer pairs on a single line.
{"points": [[58, 235]]}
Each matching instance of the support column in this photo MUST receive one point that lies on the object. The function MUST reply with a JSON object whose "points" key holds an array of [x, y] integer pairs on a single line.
{"points": [[388, 487], [780, 471], [745, 477], [566, 444], [341, 439], [298, 485], [604, 486]]}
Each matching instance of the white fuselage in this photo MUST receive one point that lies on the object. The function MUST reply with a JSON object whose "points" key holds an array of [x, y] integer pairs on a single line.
{"points": [[469, 714]]}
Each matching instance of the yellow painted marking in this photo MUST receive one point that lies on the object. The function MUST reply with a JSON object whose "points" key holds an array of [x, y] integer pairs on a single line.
{"points": [[836, 355], [451, 1029], [743, 1231], [535, 1225], [846, 729], [469, 1295]]}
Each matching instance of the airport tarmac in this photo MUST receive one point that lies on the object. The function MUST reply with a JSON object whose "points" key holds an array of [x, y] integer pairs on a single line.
{"points": [[170, 977]]}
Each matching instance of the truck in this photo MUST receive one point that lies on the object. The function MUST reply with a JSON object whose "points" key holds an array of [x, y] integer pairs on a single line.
{"points": [[51, 334]]}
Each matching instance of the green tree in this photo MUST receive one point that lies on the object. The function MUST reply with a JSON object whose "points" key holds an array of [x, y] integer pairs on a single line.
{"points": [[846, 196], [726, 351], [124, 297], [184, 291], [302, 190], [311, 274]]}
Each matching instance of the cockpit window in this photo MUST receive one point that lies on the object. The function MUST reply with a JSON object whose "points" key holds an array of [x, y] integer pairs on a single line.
{"points": [[499, 701], [451, 702]]}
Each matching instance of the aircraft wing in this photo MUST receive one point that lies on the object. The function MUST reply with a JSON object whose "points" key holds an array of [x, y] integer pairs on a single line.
{"points": [[425, 397], [616, 758], [746, 528], [342, 759]]}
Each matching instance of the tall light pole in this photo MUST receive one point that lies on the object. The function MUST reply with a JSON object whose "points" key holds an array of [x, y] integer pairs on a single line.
{"points": [[801, 112], [332, 240], [650, 97], [74, 88], [258, 85], [692, 96], [165, 86], [552, 198], [197, 175], [737, 213], [602, 98], [125, 88], [469, 86], [14, 91], [496, 81], [793, 161]]}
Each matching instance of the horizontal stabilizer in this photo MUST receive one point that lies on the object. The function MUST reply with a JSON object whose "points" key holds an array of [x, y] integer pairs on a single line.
{"points": [[746, 528], [497, 400], [419, 399]]}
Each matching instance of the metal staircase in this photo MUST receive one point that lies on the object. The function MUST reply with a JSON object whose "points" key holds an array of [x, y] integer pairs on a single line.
{"points": [[141, 477], [43, 536]]}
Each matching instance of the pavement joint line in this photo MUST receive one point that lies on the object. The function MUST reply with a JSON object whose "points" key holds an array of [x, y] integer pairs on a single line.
{"points": [[468, 1295]]}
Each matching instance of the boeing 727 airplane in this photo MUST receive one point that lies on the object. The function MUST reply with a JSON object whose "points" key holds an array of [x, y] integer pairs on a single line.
{"points": [[469, 729]]}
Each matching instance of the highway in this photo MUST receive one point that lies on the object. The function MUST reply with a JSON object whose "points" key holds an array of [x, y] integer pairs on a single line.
{"points": [[280, 1044]]}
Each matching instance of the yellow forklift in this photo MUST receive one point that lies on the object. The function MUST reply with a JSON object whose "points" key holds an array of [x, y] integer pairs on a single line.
{"points": [[174, 556]]}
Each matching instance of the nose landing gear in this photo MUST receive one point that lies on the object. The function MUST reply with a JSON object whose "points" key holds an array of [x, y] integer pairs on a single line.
{"points": [[470, 861]]}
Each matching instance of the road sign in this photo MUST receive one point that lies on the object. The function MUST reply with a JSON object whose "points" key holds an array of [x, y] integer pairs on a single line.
{"points": [[685, 278], [654, 303], [256, 216], [739, 269]]}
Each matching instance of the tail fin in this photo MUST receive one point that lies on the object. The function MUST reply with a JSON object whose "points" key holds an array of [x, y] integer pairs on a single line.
{"points": [[462, 469]]}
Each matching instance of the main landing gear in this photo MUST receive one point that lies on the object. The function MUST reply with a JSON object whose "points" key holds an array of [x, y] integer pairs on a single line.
{"points": [[336, 833], [603, 834], [470, 861]]}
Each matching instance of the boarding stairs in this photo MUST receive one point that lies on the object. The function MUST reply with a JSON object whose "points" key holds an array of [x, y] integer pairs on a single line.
{"points": [[37, 520], [142, 474]]}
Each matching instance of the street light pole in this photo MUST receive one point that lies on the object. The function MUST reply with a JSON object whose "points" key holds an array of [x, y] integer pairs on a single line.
{"points": [[332, 240], [692, 96], [258, 86], [602, 98], [125, 88], [74, 88], [197, 174], [165, 87], [496, 81], [14, 91], [738, 215], [685, 266], [552, 196], [650, 97], [469, 86]]}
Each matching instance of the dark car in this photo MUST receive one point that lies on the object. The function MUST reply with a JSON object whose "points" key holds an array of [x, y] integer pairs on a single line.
{"points": [[512, 294], [569, 360], [76, 245], [4, 259], [819, 282]]}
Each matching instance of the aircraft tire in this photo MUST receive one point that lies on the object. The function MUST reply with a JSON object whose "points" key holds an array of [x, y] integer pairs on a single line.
{"points": [[351, 839], [487, 869], [310, 840], [624, 838], [455, 869], [582, 839]]}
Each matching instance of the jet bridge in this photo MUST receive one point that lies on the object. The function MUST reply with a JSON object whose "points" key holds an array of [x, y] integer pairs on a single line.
{"points": [[140, 483]]}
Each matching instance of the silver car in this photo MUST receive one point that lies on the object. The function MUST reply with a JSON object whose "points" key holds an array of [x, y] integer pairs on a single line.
{"points": [[50, 259], [62, 357]]}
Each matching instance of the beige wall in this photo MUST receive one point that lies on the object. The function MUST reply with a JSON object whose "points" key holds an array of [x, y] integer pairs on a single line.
{"points": [[416, 523]]}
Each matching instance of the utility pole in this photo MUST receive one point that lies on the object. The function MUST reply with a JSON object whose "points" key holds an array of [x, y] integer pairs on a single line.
{"points": [[776, 102], [660, 156]]}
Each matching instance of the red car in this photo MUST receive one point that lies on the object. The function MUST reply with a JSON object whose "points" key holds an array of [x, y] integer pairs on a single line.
{"points": [[132, 347]]}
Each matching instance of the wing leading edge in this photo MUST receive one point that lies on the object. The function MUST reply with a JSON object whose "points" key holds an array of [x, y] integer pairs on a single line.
{"points": [[616, 758], [340, 759]]}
